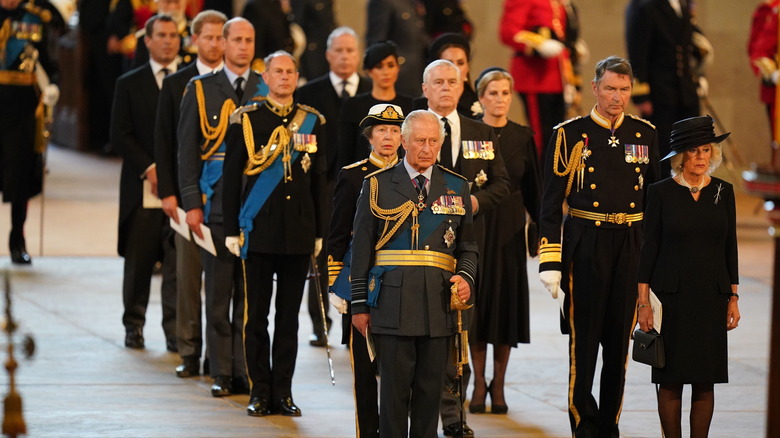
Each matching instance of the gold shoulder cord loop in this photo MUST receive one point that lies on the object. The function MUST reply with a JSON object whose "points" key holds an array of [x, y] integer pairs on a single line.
{"points": [[397, 214], [571, 164], [259, 160], [214, 134]]}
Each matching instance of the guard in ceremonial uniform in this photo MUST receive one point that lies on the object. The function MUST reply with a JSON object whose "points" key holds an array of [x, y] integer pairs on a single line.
{"points": [[382, 128], [272, 205], [26, 98], [600, 165], [413, 243], [762, 49]]}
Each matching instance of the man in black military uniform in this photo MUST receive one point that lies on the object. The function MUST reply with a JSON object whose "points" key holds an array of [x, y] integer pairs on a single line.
{"points": [[601, 165], [413, 240], [382, 128], [275, 224], [317, 20], [205, 111], [470, 149], [24, 61]]}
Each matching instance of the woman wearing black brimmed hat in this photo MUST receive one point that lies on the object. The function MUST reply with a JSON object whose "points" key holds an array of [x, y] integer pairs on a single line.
{"points": [[382, 127], [380, 63], [689, 260]]}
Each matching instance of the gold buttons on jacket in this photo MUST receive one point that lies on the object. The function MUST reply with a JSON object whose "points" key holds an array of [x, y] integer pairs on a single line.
{"points": [[595, 203], [427, 247], [591, 169], [632, 205], [598, 223], [636, 188], [637, 170], [593, 186], [287, 197]]}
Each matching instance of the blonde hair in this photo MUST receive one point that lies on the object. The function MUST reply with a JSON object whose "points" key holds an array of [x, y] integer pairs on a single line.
{"points": [[495, 75], [676, 162]]}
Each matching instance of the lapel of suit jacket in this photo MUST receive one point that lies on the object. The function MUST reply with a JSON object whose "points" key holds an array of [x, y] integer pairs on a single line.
{"points": [[437, 186], [403, 184], [151, 93], [226, 88], [249, 88]]}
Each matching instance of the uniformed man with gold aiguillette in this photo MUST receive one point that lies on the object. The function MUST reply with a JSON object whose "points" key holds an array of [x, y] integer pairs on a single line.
{"points": [[26, 99], [600, 165], [274, 179]]}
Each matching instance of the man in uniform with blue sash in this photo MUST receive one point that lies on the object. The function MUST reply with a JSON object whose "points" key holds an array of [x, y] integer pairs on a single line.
{"points": [[205, 112], [273, 196], [413, 240]]}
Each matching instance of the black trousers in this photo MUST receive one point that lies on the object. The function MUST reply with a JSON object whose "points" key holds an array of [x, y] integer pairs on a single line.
{"points": [[150, 240], [601, 265], [364, 381], [412, 372], [266, 381], [189, 327], [224, 324]]}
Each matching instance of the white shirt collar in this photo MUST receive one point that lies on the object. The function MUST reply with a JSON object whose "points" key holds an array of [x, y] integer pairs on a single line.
{"points": [[352, 83], [203, 68], [156, 67], [413, 173], [233, 76], [454, 119]]}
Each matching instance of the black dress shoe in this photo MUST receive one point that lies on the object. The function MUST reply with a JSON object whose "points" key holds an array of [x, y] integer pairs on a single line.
{"points": [[18, 250], [258, 407], [190, 367], [454, 430], [240, 385], [221, 386], [317, 340], [288, 408], [134, 338]]}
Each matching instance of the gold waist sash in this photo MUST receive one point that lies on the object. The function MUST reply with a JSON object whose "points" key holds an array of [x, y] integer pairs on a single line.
{"points": [[10, 77], [415, 258], [613, 218]]}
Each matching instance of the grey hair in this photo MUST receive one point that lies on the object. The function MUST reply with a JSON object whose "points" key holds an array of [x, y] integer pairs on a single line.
{"points": [[422, 116], [436, 64], [615, 64], [715, 160], [267, 60], [339, 31]]}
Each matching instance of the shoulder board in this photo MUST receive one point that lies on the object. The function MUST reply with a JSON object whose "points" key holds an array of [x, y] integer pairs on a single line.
{"points": [[378, 172], [555, 128], [355, 164], [450, 171], [641, 120], [236, 116], [313, 111]]}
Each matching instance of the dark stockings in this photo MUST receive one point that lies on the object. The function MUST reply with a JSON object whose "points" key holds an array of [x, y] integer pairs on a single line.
{"points": [[500, 362], [18, 217], [670, 409]]}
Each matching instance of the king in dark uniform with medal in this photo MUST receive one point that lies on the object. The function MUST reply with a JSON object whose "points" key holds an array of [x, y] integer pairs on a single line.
{"points": [[600, 165]]}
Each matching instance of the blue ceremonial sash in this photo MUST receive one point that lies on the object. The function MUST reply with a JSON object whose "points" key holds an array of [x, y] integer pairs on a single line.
{"points": [[265, 184], [14, 45], [209, 176]]}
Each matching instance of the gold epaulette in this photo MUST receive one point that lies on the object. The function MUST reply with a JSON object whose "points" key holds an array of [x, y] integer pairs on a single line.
{"points": [[640, 89], [42, 13], [452, 172], [355, 164], [555, 128], [641, 120], [235, 117], [313, 111], [377, 172]]}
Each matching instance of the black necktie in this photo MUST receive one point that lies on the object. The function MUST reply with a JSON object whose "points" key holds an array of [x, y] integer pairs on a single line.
{"points": [[239, 90], [344, 93], [420, 185], [446, 146], [166, 71]]}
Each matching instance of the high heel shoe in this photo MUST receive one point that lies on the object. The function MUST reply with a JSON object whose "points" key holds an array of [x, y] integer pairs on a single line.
{"points": [[496, 408], [478, 408]]}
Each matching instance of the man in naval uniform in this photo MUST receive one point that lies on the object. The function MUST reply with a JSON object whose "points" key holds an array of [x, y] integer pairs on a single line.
{"points": [[274, 222], [205, 111], [413, 222], [601, 165]]}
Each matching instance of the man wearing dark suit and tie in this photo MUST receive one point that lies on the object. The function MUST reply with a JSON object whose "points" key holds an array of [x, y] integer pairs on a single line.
{"points": [[144, 235], [207, 37], [470, 149], [326, 93], [413, 240], [205, 111]]}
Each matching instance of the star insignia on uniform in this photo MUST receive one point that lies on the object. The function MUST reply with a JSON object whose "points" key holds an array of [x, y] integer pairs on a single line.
{"points": [[614, 142]]}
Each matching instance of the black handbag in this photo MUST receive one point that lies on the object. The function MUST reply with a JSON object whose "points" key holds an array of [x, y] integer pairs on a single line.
{"points": [[649, 348]]}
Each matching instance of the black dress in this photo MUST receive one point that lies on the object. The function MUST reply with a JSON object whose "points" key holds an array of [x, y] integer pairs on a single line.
{"points": [[352, 145], [689, 258], [502, 312]]}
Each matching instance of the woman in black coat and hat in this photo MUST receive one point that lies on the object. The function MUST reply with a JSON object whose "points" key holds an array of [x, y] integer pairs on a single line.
{"points": [[689, 260]]}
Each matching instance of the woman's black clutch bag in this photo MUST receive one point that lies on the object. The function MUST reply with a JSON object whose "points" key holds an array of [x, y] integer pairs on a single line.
{"points": [[649, 348]]}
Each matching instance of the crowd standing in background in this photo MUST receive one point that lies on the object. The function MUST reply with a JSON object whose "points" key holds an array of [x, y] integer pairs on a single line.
{"points": [[220, 146]]}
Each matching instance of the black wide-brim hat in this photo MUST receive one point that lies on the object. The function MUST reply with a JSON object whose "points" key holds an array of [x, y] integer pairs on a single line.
{"points": [[383, 114], [447, 40], [377, 52], [692, 133]]}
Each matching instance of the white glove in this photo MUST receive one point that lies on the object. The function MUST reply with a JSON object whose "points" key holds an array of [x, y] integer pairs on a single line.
{"points": [[552, 282], [317, 246], [337, 302], [51, 94], [704, 87], [231, 242], [774, 76], [550, 48], [583, 52]]}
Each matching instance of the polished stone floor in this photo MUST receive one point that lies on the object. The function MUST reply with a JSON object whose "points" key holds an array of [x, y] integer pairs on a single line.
{"points": [[82, 382]]}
